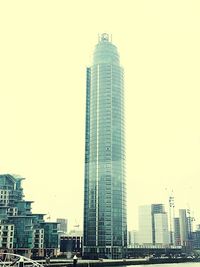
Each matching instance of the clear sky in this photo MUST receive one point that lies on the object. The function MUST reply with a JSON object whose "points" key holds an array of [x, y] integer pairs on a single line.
{"points": [[44, 50]]}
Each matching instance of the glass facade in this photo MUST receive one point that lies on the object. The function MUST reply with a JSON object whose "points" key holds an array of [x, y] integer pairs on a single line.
{"points": [[105, 223], [20, 229], [23, 235]]}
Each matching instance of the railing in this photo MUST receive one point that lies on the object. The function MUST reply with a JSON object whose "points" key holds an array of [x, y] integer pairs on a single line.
{"points": [[10, 259]]}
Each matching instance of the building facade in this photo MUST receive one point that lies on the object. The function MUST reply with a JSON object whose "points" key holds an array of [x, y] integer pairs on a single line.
{"points": [[177, 234], [71, 244], [105, 222], [153, 225], [21, 231], [186, 235], [6, 236], [132, 238], [196, 238], [145, 225], [161, 229]]}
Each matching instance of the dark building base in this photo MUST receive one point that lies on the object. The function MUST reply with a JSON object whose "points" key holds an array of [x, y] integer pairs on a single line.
{"points": [[104, 253]]}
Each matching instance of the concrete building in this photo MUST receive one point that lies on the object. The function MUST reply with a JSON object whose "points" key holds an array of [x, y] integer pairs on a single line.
{"points": [[184, 233], [105, 220], [153, 225], [145, 225], [161, 229]]}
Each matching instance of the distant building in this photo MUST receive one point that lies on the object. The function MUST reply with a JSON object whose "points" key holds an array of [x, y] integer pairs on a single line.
{"points": [[196, 238], [184, 231], [76, 232], [62, 227], [157, 208], [145, 225], [132, 239], [177, 234], [161, 229], [153, 225]]}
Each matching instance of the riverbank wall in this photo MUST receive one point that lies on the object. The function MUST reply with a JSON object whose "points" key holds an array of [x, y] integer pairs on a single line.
{"points": [[105, 263]]}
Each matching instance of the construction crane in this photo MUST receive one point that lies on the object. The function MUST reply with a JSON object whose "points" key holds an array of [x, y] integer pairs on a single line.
{"points": [[48, 216]]}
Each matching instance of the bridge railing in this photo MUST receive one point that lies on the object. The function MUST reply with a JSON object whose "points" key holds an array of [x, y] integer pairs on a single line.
{"points": [[10, 259]]}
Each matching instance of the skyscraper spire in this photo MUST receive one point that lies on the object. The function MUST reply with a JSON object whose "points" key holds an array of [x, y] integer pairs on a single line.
{"points": [[104, 37]]}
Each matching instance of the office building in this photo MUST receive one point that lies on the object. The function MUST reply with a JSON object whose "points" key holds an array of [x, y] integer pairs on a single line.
{"points": [[153, 225], [161, 229], [184, 230], [145, 225], [105, 223], [196, 238], [177, 234]]}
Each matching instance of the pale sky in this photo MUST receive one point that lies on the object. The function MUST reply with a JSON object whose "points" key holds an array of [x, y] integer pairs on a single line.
{"points": [[44, 50]]}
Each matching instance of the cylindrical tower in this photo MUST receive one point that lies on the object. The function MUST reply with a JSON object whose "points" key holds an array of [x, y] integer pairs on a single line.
{"points": [[105, 222]]}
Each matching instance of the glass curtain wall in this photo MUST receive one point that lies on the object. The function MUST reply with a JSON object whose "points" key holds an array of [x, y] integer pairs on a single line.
{"points": [[105, 226]]}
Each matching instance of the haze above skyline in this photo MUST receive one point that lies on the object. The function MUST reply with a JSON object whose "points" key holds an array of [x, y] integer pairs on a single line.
{"points": [[45, 49]]}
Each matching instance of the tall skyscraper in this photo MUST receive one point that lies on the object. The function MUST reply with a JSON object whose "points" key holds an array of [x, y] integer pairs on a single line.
{"points": [[105, 222]]}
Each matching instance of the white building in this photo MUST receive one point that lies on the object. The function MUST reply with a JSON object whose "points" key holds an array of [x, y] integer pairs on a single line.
{"points": [[145, 225], [161, 229], [183, 227], [153, 225]]}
